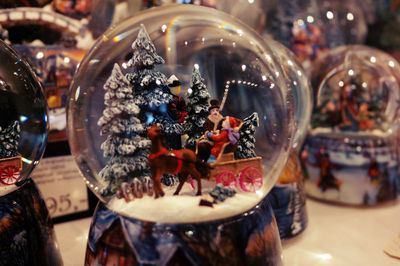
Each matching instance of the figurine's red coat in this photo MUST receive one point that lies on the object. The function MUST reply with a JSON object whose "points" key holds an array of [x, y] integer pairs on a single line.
{"points": [[219, 141]]}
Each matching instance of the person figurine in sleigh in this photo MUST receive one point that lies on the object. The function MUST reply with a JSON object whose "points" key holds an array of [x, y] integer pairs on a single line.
{"points": [[212, 124], [229, 134]]}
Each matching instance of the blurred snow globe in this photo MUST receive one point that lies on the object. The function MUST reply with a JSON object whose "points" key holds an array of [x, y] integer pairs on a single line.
{"points": [[308, 28], [23, 124], [287, 197], [172, 78], [311, 28], [350, 18], [350, 153], [357, 92], [299, 90]]}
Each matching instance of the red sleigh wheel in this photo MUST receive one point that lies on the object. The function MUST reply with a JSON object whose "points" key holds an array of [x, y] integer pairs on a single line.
{"points": [[250, 179], [227, 179], [9, 175]]}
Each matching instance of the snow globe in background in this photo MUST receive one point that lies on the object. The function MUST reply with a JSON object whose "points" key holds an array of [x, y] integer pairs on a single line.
{"points": [[350, 154], [27, 236], [287, 197], [311, 28], [179, 119], [308, 28]]}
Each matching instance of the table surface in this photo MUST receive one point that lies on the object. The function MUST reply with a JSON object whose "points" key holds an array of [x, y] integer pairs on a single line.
{"points": [[336, 235]]}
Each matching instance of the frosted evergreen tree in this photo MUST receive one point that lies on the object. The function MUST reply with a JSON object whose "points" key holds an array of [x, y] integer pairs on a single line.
{"points": [[150, 88], [247, 140], [144, 60], [158, 102], [9, 139], [126, 144], [198, 104]]}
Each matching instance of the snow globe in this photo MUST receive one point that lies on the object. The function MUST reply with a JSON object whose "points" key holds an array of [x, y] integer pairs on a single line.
{"points": [[287, 197], [350, 155], [179, 119], [312, 28], [27, 236], [53, 44]]}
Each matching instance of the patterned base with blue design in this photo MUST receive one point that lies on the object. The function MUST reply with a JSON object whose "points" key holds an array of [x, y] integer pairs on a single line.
{"points": [[355, 171], [26, 230], [251, 238]]}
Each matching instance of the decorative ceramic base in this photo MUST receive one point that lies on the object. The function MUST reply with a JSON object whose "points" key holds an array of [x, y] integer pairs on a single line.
{"points": [[251, 238], [288, 203], [356, 171], [26, 230], [288, 199]]}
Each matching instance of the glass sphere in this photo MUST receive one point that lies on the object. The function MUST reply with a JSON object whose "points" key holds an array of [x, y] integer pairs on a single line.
{"points": [[172, 66], [350, 155], [311, 28], [299, 90], [308, 28], [297, 82], [23, 120], [350, 18], [357, 92]]}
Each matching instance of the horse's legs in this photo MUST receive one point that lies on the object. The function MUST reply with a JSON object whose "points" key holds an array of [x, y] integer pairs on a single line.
{"points": [[182, 178], [197, 176], [156, 176], [157, 186]]}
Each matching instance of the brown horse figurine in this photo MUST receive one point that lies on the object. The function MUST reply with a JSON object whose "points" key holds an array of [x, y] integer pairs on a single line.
{"points": [[183, 162]]}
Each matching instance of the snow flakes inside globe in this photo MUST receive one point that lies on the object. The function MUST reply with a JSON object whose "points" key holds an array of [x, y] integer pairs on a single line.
{"points": [[357, 91], [23, 123], [174, 102]]}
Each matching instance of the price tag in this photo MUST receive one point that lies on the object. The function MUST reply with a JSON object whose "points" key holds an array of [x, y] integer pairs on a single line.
{"points": [[62, 186]]}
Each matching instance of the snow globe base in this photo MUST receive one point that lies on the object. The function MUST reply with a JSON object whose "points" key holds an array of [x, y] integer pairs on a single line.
{"points": [[288, 199], [27, 234], [354, 171], [251, 238]]}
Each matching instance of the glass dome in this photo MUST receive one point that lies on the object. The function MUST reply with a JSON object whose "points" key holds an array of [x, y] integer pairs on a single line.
{"points": [[172, 66], [350, 155], [299, 90], [311, 28], [357, 92], [23, 120], [308, 28]]}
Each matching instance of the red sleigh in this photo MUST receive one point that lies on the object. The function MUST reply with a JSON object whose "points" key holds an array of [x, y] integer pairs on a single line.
{"points": [[231, 172], [10, 170]]}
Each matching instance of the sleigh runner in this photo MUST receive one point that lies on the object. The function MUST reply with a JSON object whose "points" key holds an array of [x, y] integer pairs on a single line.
{"points": [[10, 170]]}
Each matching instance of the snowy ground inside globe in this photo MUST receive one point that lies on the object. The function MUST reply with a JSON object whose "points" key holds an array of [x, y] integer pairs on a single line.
{"points": [[184, 208]]}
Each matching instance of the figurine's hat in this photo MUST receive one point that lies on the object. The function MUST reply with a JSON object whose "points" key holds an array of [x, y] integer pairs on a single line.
{"points": [[214, 103], [173, 81]]}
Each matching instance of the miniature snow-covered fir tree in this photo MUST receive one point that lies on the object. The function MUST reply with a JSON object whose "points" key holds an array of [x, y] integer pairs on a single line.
{"points": [[134, 102], [126, 143], [144, 60], [198, 104], [247, 140], [150, 88], [9, 139]]}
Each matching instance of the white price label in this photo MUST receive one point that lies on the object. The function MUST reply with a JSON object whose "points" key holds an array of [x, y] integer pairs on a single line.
{"points": [[61, 185]]}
